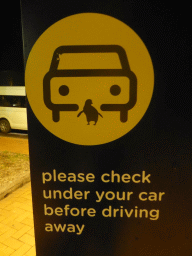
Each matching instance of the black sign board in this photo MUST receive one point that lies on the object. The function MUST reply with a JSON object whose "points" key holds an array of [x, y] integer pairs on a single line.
{"points": [[109, 127]]}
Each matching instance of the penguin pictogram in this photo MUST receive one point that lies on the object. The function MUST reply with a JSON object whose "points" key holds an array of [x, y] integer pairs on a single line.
{"points": [[91, 113]]}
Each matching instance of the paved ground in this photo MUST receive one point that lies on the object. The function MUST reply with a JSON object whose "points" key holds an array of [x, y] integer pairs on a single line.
{"points": [[14, 145], [16, 224], [16, 218]]}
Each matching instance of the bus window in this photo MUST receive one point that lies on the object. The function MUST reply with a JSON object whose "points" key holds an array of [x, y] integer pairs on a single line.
{"points": [[12, 101]]}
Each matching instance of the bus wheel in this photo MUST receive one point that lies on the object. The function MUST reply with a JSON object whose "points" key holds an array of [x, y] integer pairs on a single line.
{"points": [[5, 126]]}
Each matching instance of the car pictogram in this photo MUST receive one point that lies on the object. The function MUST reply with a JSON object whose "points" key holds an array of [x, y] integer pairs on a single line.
{"points": [[63, 89]]}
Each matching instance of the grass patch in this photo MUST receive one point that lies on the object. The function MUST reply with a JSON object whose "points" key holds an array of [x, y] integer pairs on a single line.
{"points": [[12, 164]]}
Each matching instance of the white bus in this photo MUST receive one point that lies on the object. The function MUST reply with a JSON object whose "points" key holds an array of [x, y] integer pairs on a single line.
{"points": [[13, 113]]}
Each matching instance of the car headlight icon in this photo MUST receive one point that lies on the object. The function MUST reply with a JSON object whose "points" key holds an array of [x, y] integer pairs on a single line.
{"points": [[58, 82]]}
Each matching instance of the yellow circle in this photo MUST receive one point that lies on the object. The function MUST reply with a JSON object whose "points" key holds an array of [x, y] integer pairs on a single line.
{"points": [[89, 58]]}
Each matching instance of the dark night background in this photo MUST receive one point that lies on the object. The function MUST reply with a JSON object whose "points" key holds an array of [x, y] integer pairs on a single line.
{"points": [[11, 49], [160, 143]]}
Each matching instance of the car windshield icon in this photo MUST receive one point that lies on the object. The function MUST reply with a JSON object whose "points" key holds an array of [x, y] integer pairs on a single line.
{"points": [[122, 74]]}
